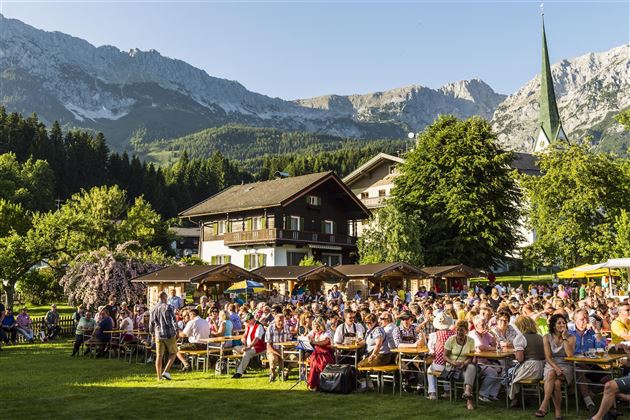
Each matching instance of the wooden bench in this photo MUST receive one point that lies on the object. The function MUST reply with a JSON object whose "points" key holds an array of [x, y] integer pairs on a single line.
{"points": [[529, 387], [382, 374]]}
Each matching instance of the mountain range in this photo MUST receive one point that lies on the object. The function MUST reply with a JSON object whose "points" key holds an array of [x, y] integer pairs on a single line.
{"points": [[142, 96]]}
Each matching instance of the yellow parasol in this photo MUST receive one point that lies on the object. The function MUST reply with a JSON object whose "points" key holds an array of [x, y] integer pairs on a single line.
{"points": [[575, 273]]}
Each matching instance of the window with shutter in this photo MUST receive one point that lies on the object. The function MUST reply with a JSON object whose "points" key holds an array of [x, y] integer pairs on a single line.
{"points": [[213, 260], [248, 262], [248, 224], [228, 259], [261, 260]]}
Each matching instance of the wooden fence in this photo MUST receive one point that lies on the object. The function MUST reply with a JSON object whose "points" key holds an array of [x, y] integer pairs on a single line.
{"points": [[65, 322]]}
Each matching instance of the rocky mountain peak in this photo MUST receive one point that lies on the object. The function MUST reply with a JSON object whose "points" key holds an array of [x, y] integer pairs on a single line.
{"points": [[590, 90]]}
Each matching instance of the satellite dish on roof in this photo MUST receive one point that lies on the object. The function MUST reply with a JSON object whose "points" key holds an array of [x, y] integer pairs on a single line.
{"points": [[279, 174]]}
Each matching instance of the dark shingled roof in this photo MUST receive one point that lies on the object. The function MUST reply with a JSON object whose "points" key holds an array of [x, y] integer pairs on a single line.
{"points": [[195, 273], [451, 270], [525, 163], [378, 270], [298, 273], [262, 194]]}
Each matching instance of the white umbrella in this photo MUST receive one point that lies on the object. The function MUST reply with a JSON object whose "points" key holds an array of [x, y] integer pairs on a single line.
{"points": [[592, 267], [617, 263]]}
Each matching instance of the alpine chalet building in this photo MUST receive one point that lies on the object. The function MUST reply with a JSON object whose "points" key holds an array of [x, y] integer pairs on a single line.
{"points": [[280, 222]]}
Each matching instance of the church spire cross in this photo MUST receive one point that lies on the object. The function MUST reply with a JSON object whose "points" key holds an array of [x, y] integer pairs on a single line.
{"points": [[550, 126]]}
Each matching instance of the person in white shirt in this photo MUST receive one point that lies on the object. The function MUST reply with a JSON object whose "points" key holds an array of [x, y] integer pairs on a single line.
{"points": [[392, 332], [349, 330], [196, 329]]}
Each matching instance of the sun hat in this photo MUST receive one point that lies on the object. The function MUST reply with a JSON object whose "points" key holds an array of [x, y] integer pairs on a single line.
{"points": [[442, 321]]}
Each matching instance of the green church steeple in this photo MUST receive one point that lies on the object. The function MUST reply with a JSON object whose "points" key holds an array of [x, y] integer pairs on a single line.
{"points": [[550, 126]]}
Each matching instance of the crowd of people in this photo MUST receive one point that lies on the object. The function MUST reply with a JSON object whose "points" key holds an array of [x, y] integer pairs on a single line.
{"points": [[540, 324]]}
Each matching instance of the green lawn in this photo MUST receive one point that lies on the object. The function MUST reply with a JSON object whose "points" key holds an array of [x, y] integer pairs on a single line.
{"points": [[34, 311], [50, 384], [517, 278]]}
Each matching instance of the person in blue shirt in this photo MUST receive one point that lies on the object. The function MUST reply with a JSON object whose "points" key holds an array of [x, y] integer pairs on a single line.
{"points": [[102, 334], [10, 327], [175, 301], [588, 337]]}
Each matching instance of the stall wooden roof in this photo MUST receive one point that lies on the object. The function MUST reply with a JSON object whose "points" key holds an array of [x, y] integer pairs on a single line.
{"points": [[459, 271], [381, 270], [198, 274], [301, 273]]}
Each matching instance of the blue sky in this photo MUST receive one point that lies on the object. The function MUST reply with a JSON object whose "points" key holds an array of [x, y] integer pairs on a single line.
{"points": [[292, 49]]}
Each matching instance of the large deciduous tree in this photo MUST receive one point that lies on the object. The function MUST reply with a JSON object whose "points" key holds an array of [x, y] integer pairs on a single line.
{"points": [[391, 236], [92, 277], [458, 186], [103, 217], [575, 205]]}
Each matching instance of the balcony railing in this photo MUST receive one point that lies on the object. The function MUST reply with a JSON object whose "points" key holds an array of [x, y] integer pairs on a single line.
{"points": [[372, 202], [272, 235]]}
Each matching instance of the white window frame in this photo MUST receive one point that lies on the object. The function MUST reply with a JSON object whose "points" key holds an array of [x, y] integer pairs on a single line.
{"points": [[221, 227], [302, 253], [257, 223], [295, 219], [314, 200], [326, 261], [331, 224]]}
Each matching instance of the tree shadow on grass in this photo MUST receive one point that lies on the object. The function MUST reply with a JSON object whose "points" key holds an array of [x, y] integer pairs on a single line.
{"points": [[50, 384]]}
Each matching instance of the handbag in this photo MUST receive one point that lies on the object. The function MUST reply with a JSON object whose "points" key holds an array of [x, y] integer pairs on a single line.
{"points": [[452, 374]]}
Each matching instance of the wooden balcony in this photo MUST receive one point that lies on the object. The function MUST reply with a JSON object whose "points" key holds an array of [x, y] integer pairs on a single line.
{"points": [[374, 202], [289, 236]]}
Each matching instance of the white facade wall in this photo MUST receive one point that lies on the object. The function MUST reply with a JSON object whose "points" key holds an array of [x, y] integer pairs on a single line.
{"points": [[276, 256]]}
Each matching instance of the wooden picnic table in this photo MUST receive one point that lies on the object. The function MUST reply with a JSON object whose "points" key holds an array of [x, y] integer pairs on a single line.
{"points": [[598, 360], [350, 350], [413, 360], [503, 357], [495, 355], [410, 350], [605, 363], [220, 339]]}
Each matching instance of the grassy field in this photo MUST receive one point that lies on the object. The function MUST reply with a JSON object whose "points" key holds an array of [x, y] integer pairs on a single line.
{"points": [[517, 278], [50, 384], [35, 311]]}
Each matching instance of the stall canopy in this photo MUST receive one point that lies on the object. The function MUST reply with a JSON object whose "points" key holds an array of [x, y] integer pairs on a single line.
{"points": [[381, 271], [376, 276], [223, 273], [298, 273], [460, 271], [587, 270], [451, 272]]}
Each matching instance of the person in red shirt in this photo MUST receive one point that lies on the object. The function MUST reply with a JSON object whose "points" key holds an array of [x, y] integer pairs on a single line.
{"points": [[254, 343]]}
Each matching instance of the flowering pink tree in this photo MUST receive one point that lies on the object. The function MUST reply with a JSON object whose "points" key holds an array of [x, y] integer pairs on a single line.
{"points": [[92, 277]]}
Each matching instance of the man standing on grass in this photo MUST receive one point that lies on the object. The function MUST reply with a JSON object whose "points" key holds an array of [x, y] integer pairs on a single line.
{"points": [[163, 324]]}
